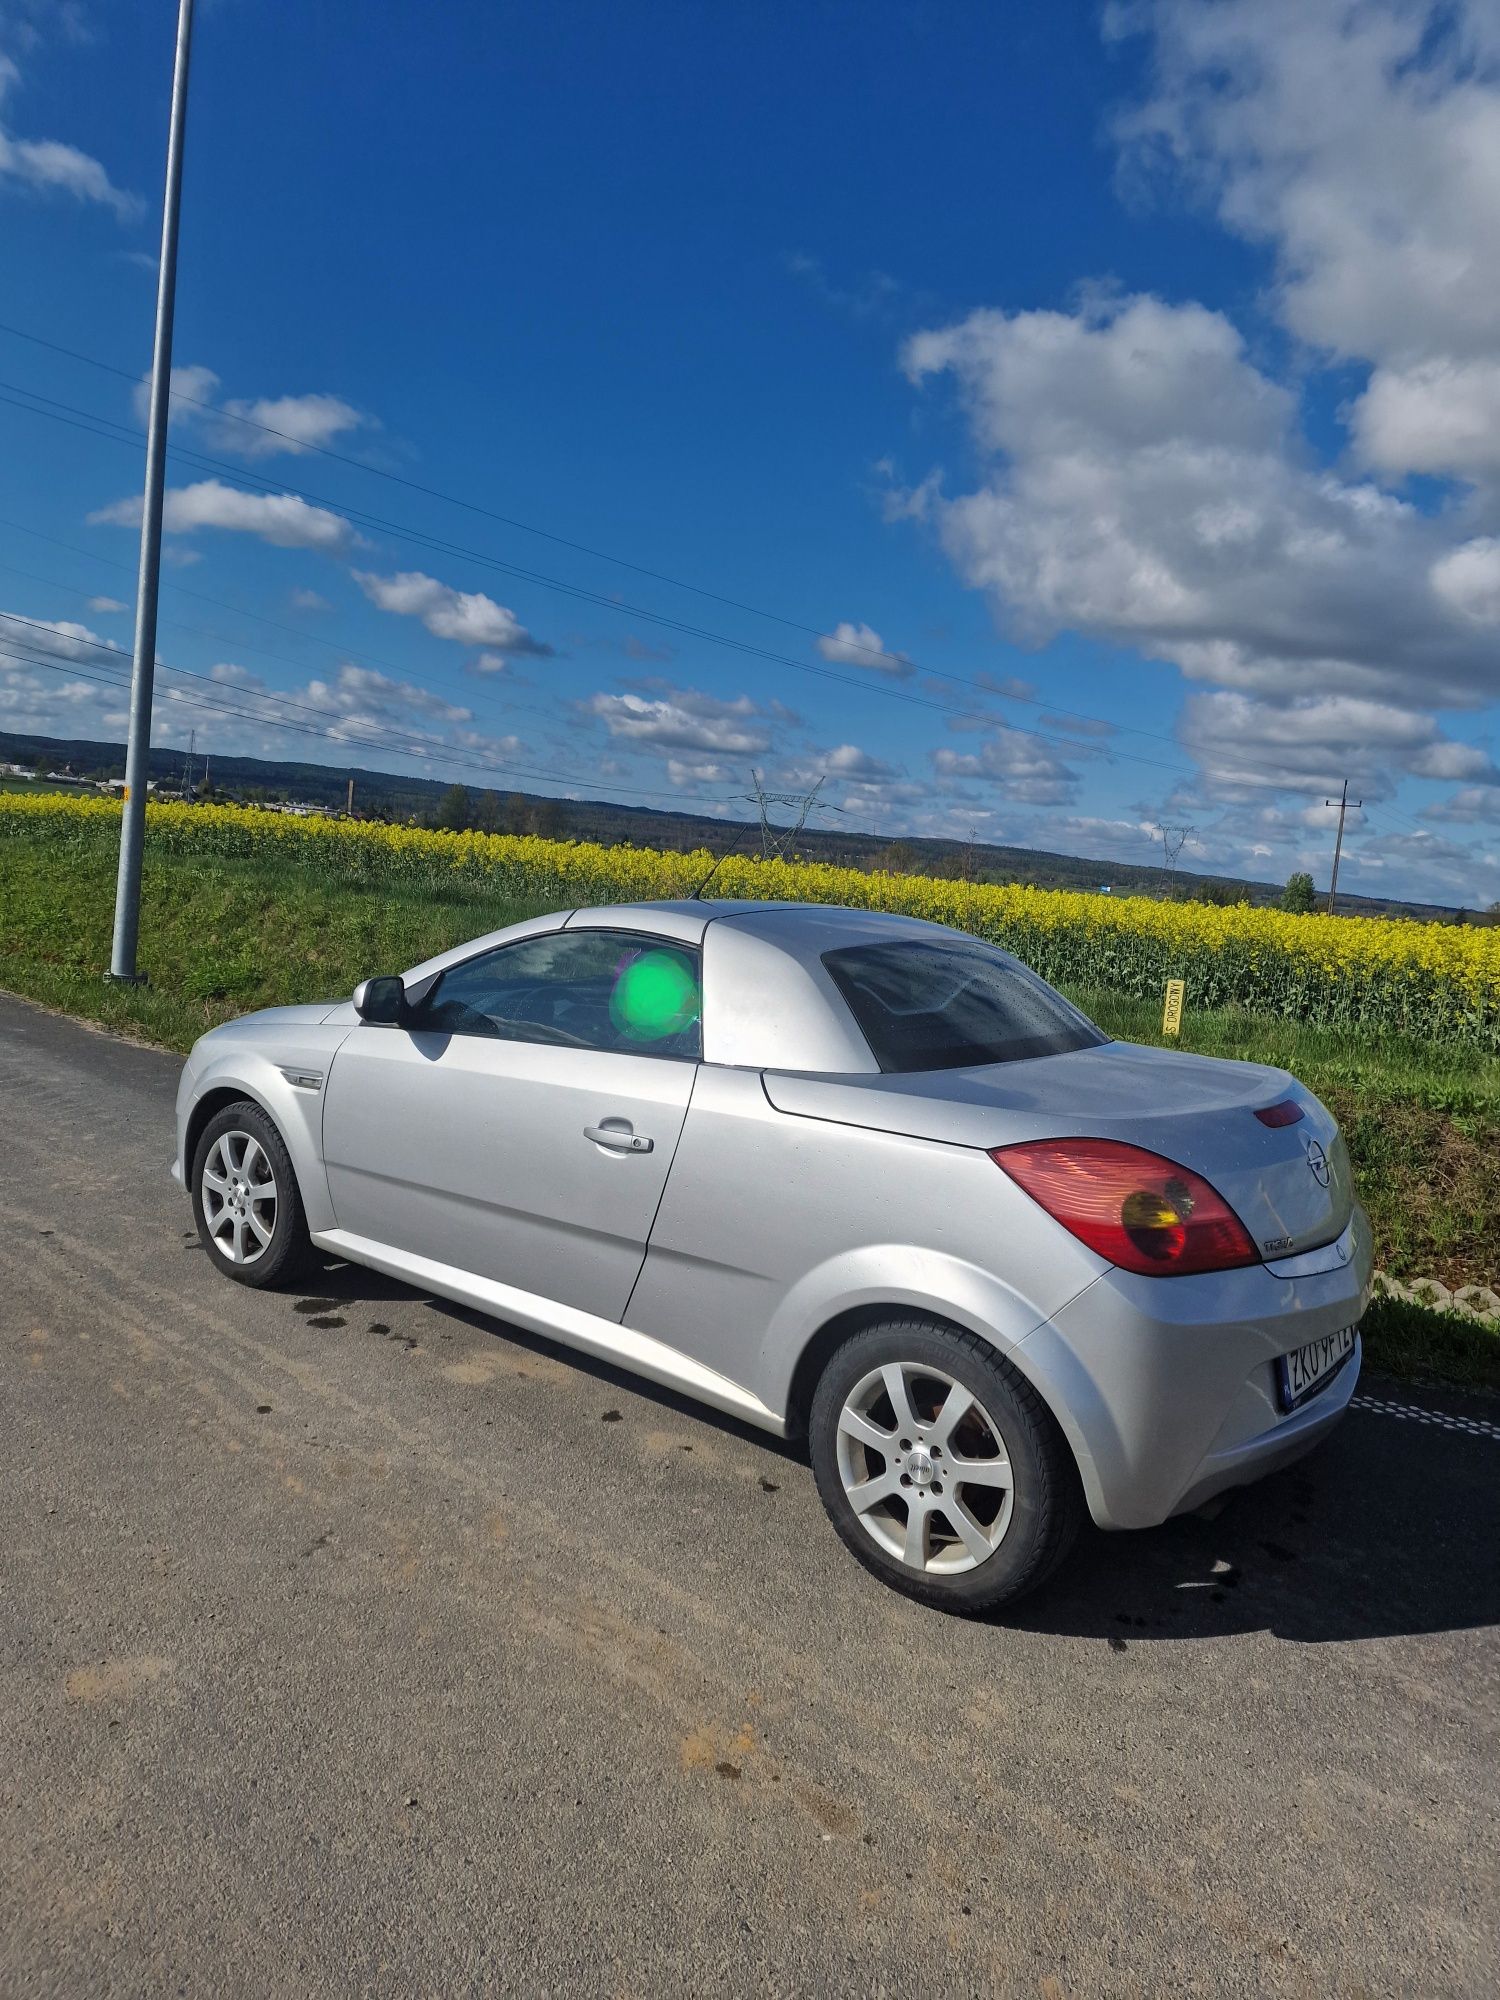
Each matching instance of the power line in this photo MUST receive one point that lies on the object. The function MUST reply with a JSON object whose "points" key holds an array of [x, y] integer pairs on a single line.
{"points": [[984, 718], [878, 655], [109, 428], [348, 653], [116, 432], [179, 698], [387, 738]]}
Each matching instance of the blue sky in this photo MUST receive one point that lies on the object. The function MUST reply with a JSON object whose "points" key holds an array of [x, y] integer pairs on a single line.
{"points": [[1092, 415]]}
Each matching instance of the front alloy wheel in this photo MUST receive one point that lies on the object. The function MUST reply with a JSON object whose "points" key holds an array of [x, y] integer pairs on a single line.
{"points": [[239, 1197], [246, 1200]]}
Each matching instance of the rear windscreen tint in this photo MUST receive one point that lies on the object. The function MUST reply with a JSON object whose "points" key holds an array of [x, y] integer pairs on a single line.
{"points": [[938, 1005]]}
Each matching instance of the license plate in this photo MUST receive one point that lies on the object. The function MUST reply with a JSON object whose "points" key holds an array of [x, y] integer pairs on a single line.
{"points": [[1308, 1369]]}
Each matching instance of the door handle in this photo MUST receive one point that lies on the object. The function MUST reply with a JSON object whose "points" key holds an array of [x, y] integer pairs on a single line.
{"points": [[616, 1139]]}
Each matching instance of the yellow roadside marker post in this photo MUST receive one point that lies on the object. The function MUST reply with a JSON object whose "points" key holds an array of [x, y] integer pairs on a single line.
{"points": [[1171, 1019]]}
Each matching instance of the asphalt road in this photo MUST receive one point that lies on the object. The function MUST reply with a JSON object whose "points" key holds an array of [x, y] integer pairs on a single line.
{"points": [[349, 1643]]}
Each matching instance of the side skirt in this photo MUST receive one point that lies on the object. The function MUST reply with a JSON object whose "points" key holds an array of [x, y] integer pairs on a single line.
{"points": [[604, 1338]]}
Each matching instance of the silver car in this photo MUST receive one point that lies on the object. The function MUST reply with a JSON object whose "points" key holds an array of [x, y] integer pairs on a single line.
{"points": [[846, 1176]]}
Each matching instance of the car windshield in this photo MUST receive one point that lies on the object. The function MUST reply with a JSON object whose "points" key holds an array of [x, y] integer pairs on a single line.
{"points": [[940, 1005]]}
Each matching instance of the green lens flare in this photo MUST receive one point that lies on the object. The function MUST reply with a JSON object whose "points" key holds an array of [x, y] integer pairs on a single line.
{"points": [[655, 996]]}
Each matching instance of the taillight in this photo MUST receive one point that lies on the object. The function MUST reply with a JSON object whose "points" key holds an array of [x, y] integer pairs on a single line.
{"points": [[1287, 1112], [1142, 1212]]}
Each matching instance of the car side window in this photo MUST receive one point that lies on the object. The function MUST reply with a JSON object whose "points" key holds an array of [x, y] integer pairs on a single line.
{"points": [[613, 990]]}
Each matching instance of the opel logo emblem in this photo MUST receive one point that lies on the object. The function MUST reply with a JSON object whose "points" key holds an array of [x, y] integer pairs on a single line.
{"points": [[1317, 1159]]}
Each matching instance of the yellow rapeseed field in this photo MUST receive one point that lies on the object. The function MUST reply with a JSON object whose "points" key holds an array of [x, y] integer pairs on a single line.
{"points": [[1438, 980]]}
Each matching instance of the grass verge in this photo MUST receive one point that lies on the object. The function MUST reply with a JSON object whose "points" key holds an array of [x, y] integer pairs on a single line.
{"points": [[220, 937], [1425, 1346]]}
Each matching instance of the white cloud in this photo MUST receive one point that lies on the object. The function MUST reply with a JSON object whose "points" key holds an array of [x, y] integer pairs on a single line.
{"points": [[397, 723], [1450, 760], [366, 694], [489, 663], [279, 518], [848, 761], [357, 702], [107, 605], [1130, 365], [1439, 416], [252, 427], [466, 616], [49, 166], [696, 771], [310, 600], [1360, 140], [1312, 744], [191, 386], [859, 646], [682, 719], [1026, 767], [1146, 487], [1472, 805], [57, 638], [1147, 483], [1468, 579], [299, 422]]}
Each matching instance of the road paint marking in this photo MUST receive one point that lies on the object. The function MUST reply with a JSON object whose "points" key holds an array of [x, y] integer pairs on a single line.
{"points": [[1470, 1426]]}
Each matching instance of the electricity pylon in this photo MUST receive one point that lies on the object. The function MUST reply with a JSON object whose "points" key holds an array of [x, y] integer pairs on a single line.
{"points": [[779, 843]]}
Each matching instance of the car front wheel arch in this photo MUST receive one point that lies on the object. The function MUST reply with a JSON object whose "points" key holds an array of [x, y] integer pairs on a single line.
{"points": [[208, 1107]]}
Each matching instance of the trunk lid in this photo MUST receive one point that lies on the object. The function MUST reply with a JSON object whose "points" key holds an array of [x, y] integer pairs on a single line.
{"points": [[1290, 1185]]}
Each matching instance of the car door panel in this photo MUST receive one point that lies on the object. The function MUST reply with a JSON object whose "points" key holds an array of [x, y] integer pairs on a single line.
{"points": [[474, 1152]]}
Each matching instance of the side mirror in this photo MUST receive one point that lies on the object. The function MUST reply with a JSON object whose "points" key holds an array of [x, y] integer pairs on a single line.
{"points": [[381, 1002]]}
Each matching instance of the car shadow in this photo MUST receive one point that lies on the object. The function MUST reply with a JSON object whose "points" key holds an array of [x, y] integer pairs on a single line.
{"points": [[333, 1287], [1392, 1526]]}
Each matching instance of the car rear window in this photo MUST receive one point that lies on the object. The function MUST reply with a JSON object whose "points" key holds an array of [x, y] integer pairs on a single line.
{"points": [[937, 1005]]}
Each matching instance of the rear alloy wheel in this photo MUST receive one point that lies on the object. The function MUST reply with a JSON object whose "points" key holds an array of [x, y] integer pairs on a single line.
{"points": [[940, 1466], [245, 1198]]}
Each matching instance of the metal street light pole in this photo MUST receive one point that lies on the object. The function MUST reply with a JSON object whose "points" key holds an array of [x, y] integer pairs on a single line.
{"points": [[143, 673]]}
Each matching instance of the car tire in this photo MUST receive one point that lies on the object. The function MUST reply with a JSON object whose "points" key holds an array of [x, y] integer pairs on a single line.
{"points": [[1011, 1504], [244, 1189]]}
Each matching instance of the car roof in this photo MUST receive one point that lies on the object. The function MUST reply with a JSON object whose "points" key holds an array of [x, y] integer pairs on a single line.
{"points": [[769, 1000], [793, 927]]}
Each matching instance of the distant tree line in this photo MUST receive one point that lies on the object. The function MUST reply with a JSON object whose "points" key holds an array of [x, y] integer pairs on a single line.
{"points": [[460, 811]]}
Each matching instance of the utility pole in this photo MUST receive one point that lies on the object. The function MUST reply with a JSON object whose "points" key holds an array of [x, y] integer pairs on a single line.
{"points": [[1345, 805], [187, 765], [349, 808], [122, 964]]}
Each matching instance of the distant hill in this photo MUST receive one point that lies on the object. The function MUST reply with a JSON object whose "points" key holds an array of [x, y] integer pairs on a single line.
{"points": [[390, 795]]}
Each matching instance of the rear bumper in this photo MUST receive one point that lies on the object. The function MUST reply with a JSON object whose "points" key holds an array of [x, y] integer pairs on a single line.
{"points": [[1284, 1444], [1167, 1387]]}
